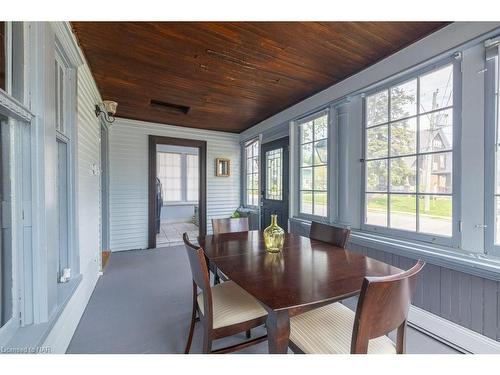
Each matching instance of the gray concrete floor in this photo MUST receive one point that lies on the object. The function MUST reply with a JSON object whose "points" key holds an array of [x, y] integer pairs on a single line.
{"points": [[142, 304]]}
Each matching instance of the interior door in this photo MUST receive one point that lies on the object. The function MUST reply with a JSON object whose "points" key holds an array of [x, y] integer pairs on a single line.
{"points": [[274, 172]]}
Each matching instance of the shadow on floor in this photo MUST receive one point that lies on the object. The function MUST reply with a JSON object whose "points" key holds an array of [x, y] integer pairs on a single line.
{"points": [[142, 304]]}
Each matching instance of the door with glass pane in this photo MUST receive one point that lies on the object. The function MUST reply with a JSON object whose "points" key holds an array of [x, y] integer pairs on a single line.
{"points": [[274, 172]]}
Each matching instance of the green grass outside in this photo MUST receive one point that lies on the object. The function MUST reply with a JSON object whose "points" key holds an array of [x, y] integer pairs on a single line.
{"points": [[438, 208]]}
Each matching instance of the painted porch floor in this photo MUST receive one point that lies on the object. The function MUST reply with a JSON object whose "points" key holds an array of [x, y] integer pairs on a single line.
{"points": [[142, 304]]}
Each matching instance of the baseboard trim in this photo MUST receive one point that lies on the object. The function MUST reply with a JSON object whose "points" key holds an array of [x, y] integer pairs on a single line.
{"points": [[452, 334]]}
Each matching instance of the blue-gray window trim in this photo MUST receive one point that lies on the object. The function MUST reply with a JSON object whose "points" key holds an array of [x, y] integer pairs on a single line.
{"points": [[454, 240], [244, 146]]}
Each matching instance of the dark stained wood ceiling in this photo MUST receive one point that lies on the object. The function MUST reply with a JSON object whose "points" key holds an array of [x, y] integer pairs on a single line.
{"points": [[230, 76]]}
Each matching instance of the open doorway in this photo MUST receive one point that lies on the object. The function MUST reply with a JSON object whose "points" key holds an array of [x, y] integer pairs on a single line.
{"points": [[177, 198]]}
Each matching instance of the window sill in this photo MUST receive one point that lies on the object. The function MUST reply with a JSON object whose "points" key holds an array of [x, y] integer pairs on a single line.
{"points": [[471, 263], [249, 209], [194, 203], [34, 335]]}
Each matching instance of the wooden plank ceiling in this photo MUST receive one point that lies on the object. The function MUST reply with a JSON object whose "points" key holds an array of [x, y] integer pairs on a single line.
{"points": [[230, 76]]}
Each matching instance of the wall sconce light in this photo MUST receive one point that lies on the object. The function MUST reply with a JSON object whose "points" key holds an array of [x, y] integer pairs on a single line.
{"points": [[108, 108]]}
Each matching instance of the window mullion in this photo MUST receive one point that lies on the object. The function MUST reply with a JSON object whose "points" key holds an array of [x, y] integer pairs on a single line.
{"points": [[389, 160], [417, 160]]}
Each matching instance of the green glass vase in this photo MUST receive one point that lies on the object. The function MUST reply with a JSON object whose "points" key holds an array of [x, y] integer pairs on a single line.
{"points": [[274, 236]]}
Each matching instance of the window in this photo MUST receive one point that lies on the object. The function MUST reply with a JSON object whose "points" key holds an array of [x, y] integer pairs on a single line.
{"points": [[3, 59], [170, 174], [6, 192], [192, 177], [274, 188], [178, 173], [492, 147], [252, 173], [409, 155], [313, 159]]}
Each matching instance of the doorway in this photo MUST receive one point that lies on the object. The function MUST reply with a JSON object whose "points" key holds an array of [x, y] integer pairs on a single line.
{"points": [[275, 183], [177, 190]]}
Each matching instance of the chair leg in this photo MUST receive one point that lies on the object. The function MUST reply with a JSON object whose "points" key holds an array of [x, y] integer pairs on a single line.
{"points": [[193, 320], [401, 339], [216, 278], [207, 343], [249, 333]]}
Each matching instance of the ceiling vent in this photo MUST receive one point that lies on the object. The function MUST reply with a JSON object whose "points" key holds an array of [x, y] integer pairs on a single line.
{"points": [[169, 107]]}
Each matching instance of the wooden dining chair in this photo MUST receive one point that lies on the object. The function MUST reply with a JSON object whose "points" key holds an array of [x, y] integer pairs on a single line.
{"points": [[230, 225], [382, 307], [227, 225], [224, 309], [328, 233]]}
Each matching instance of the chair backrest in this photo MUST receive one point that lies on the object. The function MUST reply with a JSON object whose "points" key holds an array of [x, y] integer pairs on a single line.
{"points": [[327, 233], [230, 225], [383, 306], [199, 271]]}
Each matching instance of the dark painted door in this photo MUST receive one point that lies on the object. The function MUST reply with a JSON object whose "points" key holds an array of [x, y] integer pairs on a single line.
{"points": [[274, 172]]}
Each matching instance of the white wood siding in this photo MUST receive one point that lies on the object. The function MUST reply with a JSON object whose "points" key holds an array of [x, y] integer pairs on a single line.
{"points": [[129, 177], [89, 150]]}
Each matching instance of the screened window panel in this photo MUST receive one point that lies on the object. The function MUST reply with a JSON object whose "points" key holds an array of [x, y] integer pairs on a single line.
{"points": [[59, 91], [409, 155], [496, 125], [313, 159], [252, 174], [192, 177], [3, 60], [170, 174], [63, 195], [6, 192]]}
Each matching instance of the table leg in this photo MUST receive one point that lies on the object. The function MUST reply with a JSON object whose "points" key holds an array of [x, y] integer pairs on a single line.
{"points": [[278, 331]]}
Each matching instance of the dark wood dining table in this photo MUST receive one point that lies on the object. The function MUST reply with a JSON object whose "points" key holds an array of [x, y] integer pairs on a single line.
{"points": [[306, 274]]}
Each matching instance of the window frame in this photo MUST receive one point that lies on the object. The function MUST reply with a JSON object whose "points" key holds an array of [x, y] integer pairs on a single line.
{"points": [[324, 111], [454, 239], [246, 145], [492, 122], [68, 135], [18, 119]]}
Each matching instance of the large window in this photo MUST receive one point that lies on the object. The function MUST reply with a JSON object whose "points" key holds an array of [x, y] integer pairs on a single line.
{"points": [[492, 147], [409, 155], [178, 173], [313, 159], [252, 174]]}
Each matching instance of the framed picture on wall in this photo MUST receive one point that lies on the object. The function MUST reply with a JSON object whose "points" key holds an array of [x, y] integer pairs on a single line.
{"points": [[222, 167]]}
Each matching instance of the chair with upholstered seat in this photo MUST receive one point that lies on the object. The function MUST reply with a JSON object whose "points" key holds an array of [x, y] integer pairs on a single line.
{"points": [[224, 309], [382, 307], [330, 234]]}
